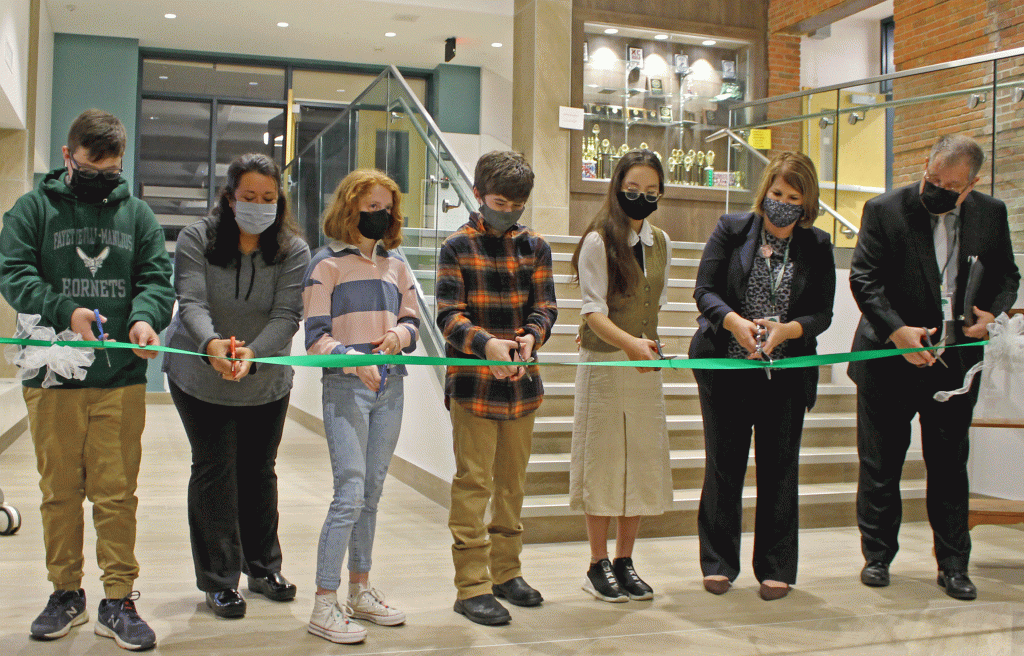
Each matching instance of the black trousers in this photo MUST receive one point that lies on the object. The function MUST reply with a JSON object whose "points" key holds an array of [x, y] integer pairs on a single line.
{"points": [[889, 393], [232, 493], [732, 403]]}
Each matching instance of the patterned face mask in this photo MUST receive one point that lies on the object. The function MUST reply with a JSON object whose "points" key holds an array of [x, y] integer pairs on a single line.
{"points": [[781, 214]]}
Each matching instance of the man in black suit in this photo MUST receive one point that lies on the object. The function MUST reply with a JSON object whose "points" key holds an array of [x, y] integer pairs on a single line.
{"points": [[908, 276]]}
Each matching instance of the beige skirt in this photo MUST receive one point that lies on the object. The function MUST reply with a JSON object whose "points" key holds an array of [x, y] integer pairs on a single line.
{"points": [[620, 461]]}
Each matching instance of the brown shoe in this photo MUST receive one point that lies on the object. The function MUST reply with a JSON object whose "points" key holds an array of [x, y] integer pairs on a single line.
{"points": [[717, 586], [771, 593]]}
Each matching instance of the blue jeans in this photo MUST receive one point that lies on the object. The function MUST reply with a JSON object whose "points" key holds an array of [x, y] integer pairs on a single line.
{"points": [[362, 431]]}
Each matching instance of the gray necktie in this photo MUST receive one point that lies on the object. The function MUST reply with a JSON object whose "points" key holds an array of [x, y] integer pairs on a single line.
{"points": [[946, 253]]}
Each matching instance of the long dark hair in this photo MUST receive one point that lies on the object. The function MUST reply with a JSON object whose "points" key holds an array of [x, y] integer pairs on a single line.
{"points": [[613, 225], [224, 234]]}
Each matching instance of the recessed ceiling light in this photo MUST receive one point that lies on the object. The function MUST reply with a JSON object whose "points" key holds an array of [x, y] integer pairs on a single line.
{"points": [[390, 34], [170, 15], [341, 91], [282, 24], [660, 37], [708, 42], [163, 77], [495, 45], [611, 30], [254, 84]]}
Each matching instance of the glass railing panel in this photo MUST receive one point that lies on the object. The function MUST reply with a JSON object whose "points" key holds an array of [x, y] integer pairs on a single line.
{"points": [[1008, 179], [859, 171]]}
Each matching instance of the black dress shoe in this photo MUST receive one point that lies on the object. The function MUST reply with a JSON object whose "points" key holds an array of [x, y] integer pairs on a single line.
{"points": [[482, 609], [226, 603], [875, 574], [273, 586], [957, 584], [518, 592]]}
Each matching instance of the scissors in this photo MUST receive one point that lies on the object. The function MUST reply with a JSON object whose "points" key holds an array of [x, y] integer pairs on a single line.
{"points": [[661, 354], [762, 334], [233, 353], [103, 335], [927, 339], [512, 354], [383, 369]]}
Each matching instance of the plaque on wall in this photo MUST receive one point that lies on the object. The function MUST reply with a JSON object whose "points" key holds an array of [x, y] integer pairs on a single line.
{"points": [[665, 113], [728, 69], [636, 57], [682, 64], [657, 88]]}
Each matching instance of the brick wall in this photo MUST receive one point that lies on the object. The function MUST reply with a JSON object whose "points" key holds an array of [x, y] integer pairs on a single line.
{"points": [[931, 32]]}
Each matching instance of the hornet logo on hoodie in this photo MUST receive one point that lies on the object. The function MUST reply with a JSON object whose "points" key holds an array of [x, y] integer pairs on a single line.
{"points": [[93, 263]]}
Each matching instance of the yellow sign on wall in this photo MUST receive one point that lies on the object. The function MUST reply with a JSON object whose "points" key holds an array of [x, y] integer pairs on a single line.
{"points": [[760, 138]]}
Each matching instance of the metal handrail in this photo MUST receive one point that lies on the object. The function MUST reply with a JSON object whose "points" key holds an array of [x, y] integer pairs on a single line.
{"points": [[967, 61], [848, 228]]}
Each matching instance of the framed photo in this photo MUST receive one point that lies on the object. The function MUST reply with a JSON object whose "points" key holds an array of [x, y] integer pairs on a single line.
{"points": [[586, 52], [657, 88], [728, 69], [682, 64], [637, 113], [636, 57], [665, 113]]}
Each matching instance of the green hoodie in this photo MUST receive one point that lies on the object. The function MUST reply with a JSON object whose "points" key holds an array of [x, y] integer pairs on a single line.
{"points": [[58, 253]]}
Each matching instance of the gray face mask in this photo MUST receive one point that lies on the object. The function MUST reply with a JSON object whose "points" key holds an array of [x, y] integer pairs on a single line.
{"points": [[500, 221], [781, 215], [254, 218]]}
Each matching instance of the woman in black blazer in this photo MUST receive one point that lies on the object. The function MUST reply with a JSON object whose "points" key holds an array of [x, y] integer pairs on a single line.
{"points": [[765, 288]]}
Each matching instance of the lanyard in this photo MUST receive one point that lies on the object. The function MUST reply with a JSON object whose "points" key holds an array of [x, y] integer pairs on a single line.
{"points": [[776, 283]]}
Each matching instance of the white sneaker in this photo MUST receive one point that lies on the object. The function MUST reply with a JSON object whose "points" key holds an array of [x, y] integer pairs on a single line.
{"points": [[366, 603], [330, 621]]}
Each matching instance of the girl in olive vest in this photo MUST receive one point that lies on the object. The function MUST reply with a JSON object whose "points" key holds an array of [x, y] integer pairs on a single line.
{"points": [[620, 460]]}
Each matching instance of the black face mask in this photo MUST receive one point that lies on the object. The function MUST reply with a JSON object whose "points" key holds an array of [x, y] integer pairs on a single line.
{"points": [[938, 200], [373, 225], [92, 190], [638, 209]]}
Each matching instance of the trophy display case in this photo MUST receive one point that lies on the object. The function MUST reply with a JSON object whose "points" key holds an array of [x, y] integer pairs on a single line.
{"points": [[662, 91]]}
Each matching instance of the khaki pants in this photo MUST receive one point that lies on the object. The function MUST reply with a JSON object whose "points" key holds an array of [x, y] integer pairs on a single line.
{"points": [[88, 445], [490, 467]]}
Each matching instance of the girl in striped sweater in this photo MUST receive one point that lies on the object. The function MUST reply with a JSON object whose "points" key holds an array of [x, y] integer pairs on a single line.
{"points": [[359, 297]]}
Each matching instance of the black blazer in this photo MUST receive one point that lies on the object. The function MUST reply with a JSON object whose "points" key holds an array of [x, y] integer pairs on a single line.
{"points": [[721, 286], [895, 278]]}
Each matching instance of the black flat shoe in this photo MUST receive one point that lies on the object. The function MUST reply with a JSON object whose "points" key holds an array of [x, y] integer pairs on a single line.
{"points": [[518, 592], [273, 586], [957, 584], [226, 603], [482, 609], [875, 574]]}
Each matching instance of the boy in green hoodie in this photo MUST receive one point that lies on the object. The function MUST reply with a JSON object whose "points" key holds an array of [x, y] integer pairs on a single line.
{"points": [[80, 242]]}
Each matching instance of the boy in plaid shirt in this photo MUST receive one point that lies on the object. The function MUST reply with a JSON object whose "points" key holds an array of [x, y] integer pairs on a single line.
{"points": [[495, 301]]}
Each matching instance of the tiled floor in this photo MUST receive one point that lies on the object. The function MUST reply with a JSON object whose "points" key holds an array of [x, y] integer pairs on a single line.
{"points": [[830, 612]]}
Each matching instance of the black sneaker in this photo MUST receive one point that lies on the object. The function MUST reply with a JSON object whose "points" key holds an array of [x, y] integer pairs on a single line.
{"points": [[629, 581], [601, 583], [119, 620], [65, 609]]}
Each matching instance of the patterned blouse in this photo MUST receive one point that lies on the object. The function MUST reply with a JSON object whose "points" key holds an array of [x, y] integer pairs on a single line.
{"points": [[757, 303]]}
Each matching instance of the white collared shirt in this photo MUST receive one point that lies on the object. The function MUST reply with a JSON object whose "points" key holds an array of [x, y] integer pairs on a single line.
{"points": [[593, 268]]}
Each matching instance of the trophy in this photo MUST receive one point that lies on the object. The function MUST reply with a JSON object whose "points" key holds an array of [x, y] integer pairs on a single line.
{"points": [[709, 171], [596, 130], [672, 167], [643, 145], [688, 164], [699, 159], [607, 166]]}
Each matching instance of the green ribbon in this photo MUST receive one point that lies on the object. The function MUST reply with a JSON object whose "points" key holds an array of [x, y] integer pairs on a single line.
{"points": [[352, 360]]}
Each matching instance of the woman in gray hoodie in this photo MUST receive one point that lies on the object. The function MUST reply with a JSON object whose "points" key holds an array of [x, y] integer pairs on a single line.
{"points": [[238, 278]]}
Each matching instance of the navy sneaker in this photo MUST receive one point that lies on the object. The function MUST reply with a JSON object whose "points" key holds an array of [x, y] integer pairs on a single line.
{"points": [[119, 620], [65, 609]]}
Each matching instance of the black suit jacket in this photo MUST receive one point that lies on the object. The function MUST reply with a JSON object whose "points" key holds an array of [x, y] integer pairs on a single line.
{"points": [[721, 286], [895, 277]]}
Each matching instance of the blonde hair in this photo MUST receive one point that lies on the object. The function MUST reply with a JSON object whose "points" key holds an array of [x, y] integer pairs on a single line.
{"points": [[341, 220], [797, 170]]}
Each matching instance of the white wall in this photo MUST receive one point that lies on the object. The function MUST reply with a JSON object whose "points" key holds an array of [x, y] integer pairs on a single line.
{"points": [[495, 122], [851, 52], [44, 92], [14, 35]]}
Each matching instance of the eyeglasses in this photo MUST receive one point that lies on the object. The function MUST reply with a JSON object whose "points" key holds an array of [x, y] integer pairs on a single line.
{"points": [[633, 194], [949, 186], [91, 174]]}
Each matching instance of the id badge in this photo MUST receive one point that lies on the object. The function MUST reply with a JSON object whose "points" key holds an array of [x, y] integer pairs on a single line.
{"points": [[947, 306], [776, 318]]}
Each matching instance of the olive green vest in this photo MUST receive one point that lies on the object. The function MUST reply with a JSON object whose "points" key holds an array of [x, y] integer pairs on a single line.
{"points": [[636, 313]]}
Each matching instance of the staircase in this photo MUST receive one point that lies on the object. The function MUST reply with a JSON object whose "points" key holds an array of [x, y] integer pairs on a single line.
{"points": [[828, 455]]}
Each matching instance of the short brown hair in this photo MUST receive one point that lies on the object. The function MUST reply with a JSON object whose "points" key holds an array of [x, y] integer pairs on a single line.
{"points": [[341, 220], [99, 132], [798, 171], [503, 172]]}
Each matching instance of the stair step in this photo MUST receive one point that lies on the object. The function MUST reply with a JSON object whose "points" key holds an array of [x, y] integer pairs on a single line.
{"points": [[550, 505], [694, 422], [824, 455], [577, 303], [663, 331], [676, 261], [690, 389]]}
